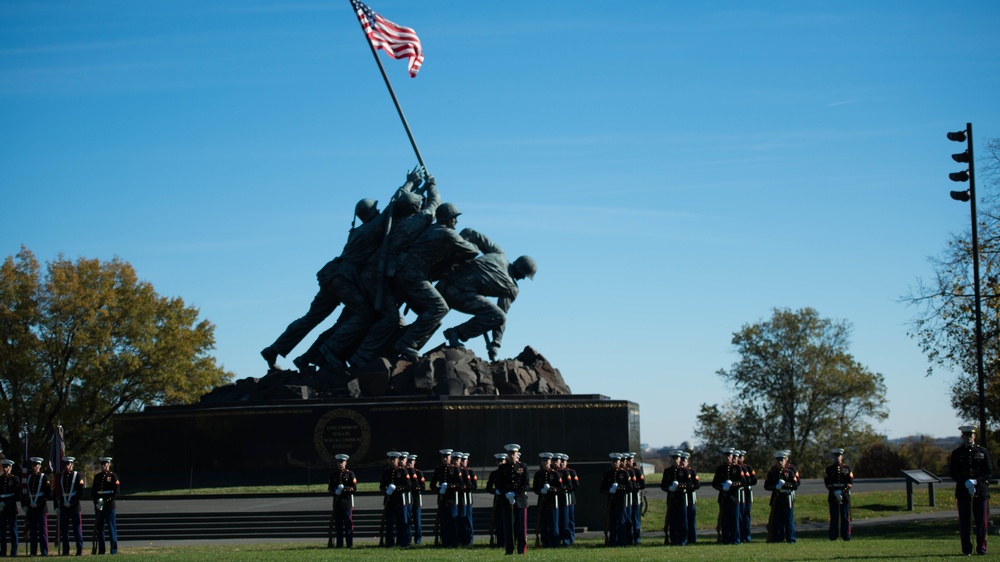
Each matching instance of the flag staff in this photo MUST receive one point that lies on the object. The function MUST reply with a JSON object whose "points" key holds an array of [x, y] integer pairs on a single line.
{"points": [[392, 93]]}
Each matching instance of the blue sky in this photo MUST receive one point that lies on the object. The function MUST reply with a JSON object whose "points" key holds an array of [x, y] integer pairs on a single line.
{"points": [[677, 169]]}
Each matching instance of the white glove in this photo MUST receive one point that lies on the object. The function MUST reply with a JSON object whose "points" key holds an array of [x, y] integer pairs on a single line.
{"points": [[614, 487], [673, 486], [390, 489], [781, 484], [497, 492], [510, 497], [839, 495], [970, 485], [339, 490], [726, 485], [65, 503], [545, 488], [33, 504], [443, 488]]}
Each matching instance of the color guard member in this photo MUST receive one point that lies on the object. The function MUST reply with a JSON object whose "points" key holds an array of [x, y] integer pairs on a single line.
{"points": [[971, 470], [10, 490], [70, 490], [343, 484], [104, 490]]}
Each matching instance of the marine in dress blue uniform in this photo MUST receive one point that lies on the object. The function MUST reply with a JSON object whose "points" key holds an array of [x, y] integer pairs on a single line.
{"points": [[104, 490], [638, 484], [498, 503], [548, 485], [36, 508], [70, 491], [404, 463], [343, 484], [417, 486], [512, 482], [395, 483], [692, 494], [616, 483], [746, 495], [838, 480], [782, 481], [446, 482], [10, 490], [462, 510], [675, 482], [971, 470], [567, 513], [471, 485], [728, 480]]}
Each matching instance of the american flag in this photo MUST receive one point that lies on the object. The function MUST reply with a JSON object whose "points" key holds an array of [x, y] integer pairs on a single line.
{"points": [[56, 454], [397, 41]]}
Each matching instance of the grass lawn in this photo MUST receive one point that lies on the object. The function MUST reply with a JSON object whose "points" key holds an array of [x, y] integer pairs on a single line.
{"points": [[810, 508], [912, 541]]}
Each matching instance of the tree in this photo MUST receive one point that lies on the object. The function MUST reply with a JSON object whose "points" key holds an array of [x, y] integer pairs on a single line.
{"points": [[921, 451], [89, 340], [797, 388], [879, 460], [945, 323]]}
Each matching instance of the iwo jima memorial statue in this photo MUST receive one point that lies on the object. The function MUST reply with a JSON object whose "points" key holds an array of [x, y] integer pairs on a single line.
{"points": [[364, 388]]}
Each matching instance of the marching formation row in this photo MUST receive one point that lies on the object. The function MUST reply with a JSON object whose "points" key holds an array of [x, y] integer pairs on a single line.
{"points": [[555, 485], [66, 493]]}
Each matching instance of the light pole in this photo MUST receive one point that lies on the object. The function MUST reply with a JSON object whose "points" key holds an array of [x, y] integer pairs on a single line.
{"points": [[969, 195]]}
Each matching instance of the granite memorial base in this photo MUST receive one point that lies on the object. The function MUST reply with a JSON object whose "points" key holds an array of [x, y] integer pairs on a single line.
{"points": [[243, 444]]}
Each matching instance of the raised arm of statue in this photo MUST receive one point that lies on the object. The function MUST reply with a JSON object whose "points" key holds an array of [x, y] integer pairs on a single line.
{"points": [[413, 180], [432, 199]]}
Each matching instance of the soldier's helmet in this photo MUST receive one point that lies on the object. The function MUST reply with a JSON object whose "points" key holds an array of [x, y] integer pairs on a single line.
{"points": [[366, 209], [446, 211], [525, 266], [407, 204]]}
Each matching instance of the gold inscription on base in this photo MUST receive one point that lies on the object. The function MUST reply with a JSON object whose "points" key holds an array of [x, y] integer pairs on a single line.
{"points": [[342, 431]]}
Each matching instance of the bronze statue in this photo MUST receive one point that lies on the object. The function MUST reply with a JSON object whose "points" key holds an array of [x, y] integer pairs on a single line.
{"points": [[416, 216], [334, 278], [467, 288], [437, 249]]}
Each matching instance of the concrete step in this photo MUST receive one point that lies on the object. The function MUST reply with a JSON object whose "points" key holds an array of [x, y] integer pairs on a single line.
{"points": [[247, 525]]}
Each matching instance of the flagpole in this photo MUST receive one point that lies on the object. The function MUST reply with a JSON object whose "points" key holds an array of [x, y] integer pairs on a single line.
{"points": [[392, 93]]}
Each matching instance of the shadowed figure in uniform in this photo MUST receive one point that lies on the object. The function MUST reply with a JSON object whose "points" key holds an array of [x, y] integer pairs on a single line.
{"points": [[971, 469], [470, 287], [415, 216], [338, 281], [438, 249]]}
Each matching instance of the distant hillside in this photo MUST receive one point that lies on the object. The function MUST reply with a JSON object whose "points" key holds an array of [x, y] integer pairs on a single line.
{"points": [[947, 443]]}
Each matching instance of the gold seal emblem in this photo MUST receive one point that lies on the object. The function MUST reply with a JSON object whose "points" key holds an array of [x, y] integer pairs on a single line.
{"points": [[342, 431]]}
